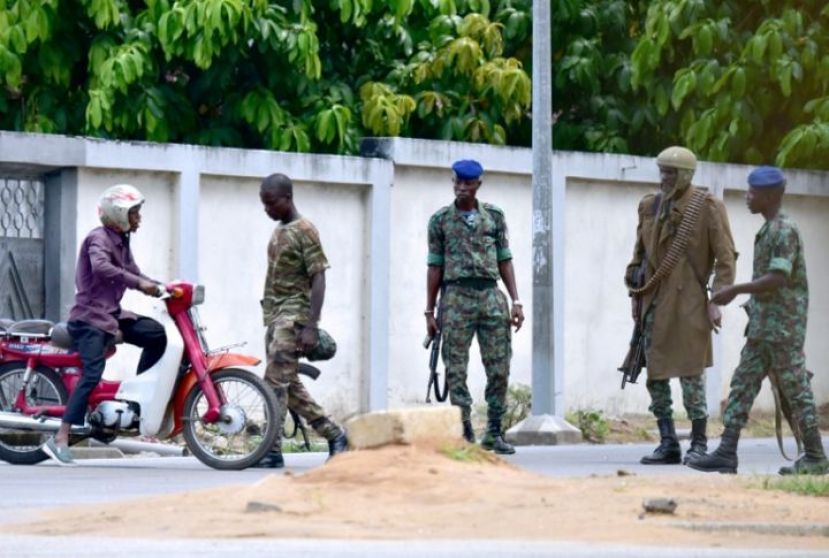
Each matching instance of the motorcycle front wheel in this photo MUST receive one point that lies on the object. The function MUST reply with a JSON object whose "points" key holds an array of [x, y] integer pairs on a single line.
{"points": [[45, 388], [247, 428]]}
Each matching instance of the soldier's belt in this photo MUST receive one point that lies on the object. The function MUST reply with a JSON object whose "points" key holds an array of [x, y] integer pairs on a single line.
{"points": [[472, 283]]}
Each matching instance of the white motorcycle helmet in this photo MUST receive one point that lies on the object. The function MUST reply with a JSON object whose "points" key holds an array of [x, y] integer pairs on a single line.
{"points": [[115, 203]]}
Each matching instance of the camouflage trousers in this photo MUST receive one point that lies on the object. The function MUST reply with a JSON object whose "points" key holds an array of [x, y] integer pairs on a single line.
{"points": [[281, 373], [693, 397], [764, 358], [693, 387], [467, 312]]}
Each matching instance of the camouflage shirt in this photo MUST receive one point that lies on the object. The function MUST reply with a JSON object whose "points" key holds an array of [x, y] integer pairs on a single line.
{"points": [[468, 249], [779, 315], [294, 256]]}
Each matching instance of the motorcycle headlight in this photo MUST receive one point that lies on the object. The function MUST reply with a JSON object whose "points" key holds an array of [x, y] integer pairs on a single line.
{"points": [[198, 295]]}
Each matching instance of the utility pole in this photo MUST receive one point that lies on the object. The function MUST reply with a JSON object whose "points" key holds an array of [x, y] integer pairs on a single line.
{"points": [[545, 426]]}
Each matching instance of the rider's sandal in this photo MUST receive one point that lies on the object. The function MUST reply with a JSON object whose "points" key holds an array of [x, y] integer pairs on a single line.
{"points": [[62, 455]]}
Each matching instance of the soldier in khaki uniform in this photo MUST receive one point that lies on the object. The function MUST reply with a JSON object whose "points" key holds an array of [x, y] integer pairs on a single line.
{"points": [[291, 307], [777, 312], [468, 253], [677, 317]]}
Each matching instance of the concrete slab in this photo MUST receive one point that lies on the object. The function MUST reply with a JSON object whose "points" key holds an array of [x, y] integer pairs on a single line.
{"points": [[403, 426]]}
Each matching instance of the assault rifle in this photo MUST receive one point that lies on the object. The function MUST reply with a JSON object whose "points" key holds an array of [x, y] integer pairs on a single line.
{"points": [[635, 359], [434, 341]]}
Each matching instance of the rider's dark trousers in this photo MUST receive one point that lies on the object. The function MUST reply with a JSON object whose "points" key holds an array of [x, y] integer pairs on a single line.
{"points": [[91, 344]]}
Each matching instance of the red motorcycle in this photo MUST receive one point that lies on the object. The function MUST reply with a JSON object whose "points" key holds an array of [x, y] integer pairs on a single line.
{"points": [[227, 415]]}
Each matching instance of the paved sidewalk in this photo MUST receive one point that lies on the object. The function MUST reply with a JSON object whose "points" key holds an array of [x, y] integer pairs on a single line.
{"points": [[89, 547]]}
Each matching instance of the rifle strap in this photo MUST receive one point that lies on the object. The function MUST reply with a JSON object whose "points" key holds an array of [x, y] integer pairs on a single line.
{"points": [[679, 244], [782, 409]]}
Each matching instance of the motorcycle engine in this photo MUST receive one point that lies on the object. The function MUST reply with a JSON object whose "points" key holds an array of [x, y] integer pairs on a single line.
{"points": [[113, 414]]}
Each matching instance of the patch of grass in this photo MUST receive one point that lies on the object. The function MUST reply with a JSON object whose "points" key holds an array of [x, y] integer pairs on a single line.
{"points": [[467, 453], [519, 403], [293, 446], [518, 407], [807, 485], [644, 434], [593, 425]]}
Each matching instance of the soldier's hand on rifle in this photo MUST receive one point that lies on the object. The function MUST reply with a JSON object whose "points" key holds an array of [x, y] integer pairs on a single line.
{"points": [[724, 296], [714, 316], [431, 324], [517, 316]]}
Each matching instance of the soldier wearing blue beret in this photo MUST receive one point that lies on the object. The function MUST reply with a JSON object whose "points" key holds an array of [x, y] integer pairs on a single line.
{"points": [[468, 253], [776, 331]]}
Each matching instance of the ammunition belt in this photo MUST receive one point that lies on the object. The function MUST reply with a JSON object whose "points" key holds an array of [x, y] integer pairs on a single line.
{"points": [[679, 244]]}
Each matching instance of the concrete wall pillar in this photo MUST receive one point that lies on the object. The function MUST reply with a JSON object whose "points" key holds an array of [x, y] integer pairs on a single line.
{"points": [[60, 245]]}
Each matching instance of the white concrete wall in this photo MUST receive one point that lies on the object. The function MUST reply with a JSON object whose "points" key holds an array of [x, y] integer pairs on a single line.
{"points": [[233, 260], [417, 194], [152, 244], [203, 221], [602, 194], [812, 216]]}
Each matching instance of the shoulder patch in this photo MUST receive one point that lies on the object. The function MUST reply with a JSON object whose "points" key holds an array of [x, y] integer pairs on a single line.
{"points": [[439, 214], [492, 208]]}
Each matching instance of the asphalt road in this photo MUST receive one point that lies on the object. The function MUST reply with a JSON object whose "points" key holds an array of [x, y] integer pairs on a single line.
{"points": [[27, 489]]}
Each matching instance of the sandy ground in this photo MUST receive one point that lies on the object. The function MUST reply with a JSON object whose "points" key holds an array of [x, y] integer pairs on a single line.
{"points": [[406, 492]]}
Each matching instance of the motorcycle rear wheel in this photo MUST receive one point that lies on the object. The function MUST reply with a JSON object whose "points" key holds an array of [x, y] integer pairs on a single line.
{"points": [[45, 388], [248, 427]]}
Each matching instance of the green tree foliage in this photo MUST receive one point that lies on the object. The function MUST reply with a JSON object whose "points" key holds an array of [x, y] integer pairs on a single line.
{"points": [[291, 75], [596, 108], [739, 80]]}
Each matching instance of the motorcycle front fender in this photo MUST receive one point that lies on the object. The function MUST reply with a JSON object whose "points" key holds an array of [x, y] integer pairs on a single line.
{"points": [[215, 363]]}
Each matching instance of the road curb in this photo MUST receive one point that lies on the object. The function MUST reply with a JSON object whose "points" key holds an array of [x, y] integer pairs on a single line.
{"points": [[82, 452], [795, 530]]}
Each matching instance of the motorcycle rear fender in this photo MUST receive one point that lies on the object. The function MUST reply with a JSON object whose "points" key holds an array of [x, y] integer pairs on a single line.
{"points": [[215, 363]]}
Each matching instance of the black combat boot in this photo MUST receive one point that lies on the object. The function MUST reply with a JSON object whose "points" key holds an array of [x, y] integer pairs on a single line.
{"points": [[468, 432], [337, 445], [668, 451], [721, 460], [493, 440], [699, 441], [328, 429], [813, 461], [273, 460]]}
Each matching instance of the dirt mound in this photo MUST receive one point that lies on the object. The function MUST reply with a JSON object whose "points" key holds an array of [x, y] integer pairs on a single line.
{"points": [[407, 492]]}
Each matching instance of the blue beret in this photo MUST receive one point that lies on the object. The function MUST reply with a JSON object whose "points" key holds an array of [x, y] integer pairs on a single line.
{"points": [[766, 177], [467, 169]]}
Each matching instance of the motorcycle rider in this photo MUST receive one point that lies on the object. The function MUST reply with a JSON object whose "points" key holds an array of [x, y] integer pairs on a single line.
{"points": [[105, 270]]}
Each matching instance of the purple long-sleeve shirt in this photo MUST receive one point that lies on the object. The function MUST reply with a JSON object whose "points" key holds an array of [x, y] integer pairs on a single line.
{"points": [[106, 269]]}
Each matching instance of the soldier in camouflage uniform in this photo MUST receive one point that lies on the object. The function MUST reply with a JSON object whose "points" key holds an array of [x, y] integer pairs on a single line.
{"points": [[775, 334], [291, 306], [468, 253]]}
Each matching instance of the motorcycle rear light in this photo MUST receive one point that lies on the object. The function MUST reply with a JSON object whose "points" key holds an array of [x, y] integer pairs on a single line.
{"points": [[198, 294]]}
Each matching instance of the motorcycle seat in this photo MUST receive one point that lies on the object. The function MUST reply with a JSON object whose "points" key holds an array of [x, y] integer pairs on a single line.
{"points": [[30, 328], [62, 339], [60, 336]]}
